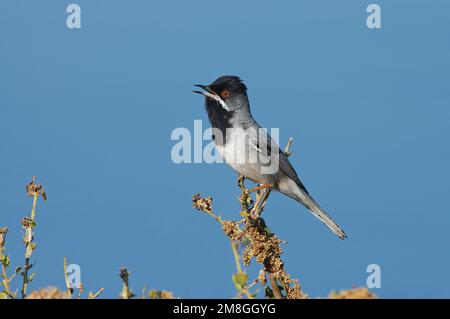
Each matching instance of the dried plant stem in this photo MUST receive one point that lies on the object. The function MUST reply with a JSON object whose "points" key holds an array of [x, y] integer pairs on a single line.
{"points": [[272, 278], [28, 247], [33, 190], [6, 283], [126, 291], [287, 149], [256, 213], [3, 232], [33, 208], [275, 288], [95, 296], [5, 279], [210, 213], [4, 260], [237, 260], [69, 289]]}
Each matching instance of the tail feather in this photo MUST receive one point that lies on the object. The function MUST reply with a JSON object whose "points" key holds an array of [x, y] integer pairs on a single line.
{"points": [[317, 211], [298, 192]]}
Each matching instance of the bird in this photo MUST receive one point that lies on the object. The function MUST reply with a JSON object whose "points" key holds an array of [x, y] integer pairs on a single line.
{"points": [[238, 139]]}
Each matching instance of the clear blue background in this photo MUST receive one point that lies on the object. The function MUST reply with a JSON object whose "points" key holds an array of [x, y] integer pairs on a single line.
{"points": [[90, 112]]}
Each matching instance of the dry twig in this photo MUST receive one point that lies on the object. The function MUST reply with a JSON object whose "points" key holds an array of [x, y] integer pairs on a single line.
{"points": [[126, 291]]}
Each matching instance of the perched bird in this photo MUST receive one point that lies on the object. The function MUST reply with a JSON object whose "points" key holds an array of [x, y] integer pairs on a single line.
{"points": [[228, 109]]}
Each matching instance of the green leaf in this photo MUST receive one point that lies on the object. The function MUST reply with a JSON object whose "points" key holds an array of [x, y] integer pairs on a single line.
{"points": [[267, 230], [154, 294], [244, 214], [6, 261], [30, 279], [3, 295], [240, 280]]}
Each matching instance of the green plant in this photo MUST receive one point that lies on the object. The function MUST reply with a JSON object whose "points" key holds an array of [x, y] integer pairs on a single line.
{"points": [[6, 292]]}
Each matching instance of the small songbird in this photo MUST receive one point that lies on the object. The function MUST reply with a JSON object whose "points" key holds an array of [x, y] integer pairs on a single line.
{"points": [[228, 109]]}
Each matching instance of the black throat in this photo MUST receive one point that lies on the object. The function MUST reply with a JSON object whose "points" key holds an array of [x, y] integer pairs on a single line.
{"points": [[220, 119]]}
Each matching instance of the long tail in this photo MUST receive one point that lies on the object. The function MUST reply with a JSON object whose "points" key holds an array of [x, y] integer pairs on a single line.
{"points": [[317, 211]]}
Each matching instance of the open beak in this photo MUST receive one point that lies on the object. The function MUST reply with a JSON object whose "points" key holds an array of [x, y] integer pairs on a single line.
{"points": [[208, 92], [211, 94]]}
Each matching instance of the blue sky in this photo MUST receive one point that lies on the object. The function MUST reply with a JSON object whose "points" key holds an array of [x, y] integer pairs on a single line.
{"points": [[91, 111]]}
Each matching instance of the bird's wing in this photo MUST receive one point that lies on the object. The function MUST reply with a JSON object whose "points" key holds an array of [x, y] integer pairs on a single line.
{"points": [[264, 144], [287, 169]]}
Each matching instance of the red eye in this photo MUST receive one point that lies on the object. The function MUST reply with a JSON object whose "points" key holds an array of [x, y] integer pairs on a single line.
{"points": [[225, 93]]}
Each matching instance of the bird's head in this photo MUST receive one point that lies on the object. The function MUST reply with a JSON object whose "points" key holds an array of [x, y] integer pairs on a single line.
{"points": [[227, 92]]}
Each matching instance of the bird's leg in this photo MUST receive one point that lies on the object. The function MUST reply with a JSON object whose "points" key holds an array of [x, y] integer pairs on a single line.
{"points": [[260, 198], [259, 187], [255, 208], [261, 202]]}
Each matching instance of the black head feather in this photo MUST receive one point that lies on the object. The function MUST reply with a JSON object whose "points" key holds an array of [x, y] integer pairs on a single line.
{"points": [[229, 82]]}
